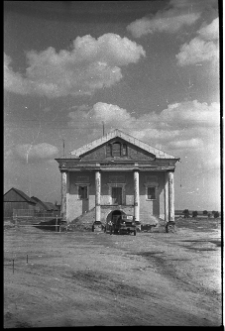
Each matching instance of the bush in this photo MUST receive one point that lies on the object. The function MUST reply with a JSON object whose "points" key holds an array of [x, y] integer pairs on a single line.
{"points": [[186, 213], [205, 212], [194, 213], [216, 214]]}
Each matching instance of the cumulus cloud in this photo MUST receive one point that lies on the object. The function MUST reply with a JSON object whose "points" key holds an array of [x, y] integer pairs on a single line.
{"points": [[190, 143], [186, 126], [178, 119], [90, 64], [204, 47], [14, 82], [37, 152], [169, 20]]}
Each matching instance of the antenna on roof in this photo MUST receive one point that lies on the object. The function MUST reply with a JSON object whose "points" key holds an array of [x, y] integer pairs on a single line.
{"points": [[63, 147], [103, 128]]}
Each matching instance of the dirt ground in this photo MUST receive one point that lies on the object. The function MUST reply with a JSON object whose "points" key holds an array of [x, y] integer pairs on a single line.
{"points": [[87, 279]]}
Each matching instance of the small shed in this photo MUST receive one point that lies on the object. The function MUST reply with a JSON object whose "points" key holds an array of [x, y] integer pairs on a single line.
{"points": [[16, 199]]}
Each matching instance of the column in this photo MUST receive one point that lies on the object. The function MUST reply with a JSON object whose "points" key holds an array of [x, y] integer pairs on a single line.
{"points": [[136, 196], [166, 201], [98, 196], [171, 196], [63, 195]]}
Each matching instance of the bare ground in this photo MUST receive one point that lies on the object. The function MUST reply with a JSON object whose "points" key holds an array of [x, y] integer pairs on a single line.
{"points": [[86, 279]]}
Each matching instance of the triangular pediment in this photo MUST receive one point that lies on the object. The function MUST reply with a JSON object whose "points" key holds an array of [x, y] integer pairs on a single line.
{"points": [[115, 135]]}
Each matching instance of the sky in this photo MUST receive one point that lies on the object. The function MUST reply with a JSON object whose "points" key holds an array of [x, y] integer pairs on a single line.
{"points": [[148, 68]]}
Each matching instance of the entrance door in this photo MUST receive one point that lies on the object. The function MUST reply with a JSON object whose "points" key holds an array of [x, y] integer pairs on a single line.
{"points": [[117, 195]]}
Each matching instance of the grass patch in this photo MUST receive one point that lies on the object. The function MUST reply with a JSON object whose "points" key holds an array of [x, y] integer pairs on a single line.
{"points": [[106, 283]]}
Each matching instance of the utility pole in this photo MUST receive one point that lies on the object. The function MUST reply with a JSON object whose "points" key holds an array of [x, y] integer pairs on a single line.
{"points": [[103, 128]]}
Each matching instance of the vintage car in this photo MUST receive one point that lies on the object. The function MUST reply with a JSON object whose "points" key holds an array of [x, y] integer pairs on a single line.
{"points": [[123, 224], [97, 225]]}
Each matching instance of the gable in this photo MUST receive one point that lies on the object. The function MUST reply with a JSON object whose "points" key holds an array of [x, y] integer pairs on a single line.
{"points": [[17, 195], [118, 149], [96, 148]]}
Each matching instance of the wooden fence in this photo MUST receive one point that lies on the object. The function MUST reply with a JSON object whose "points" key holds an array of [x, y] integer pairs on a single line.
{"points": [[31, 213]]}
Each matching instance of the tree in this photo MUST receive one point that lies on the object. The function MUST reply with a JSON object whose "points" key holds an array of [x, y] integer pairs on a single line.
{"points": [[216, 214], [194, 213], [186, 213], [205, 212]]}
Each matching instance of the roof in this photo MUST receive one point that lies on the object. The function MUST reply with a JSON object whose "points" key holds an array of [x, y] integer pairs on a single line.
{"points": [[46, 205], [22, 194], [117, 133], [40, 202], [51, 206]]}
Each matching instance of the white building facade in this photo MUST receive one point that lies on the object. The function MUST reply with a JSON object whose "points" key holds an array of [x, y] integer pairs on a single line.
{"points": [[117, 172]]}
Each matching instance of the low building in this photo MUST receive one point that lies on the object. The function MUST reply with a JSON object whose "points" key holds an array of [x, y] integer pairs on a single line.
{"points": [[117, 173], [51, 207], [40, 205], [16, 199], [43, 206]]}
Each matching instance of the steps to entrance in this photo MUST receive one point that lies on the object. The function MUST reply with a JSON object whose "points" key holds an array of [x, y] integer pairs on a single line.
{"points": [[150, 223], [83, 222]]}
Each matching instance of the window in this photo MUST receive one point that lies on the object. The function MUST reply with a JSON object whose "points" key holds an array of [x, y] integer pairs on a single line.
{"points": [[151, 193], [116, 149], [82, 192]]}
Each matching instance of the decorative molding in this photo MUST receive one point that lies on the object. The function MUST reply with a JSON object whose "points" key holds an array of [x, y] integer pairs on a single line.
{"points": [[83, 179], [150, 179], [117, 179]]}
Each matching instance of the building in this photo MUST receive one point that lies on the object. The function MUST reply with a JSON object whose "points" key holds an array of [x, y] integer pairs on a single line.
{"points": [[16, 199], [117, 174], [51, 207], [40, 205], [44, 208]]}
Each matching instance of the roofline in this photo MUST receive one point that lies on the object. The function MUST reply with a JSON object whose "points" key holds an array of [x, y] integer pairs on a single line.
{"points": [[104, 139], [41, 202], [17, 191]]}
